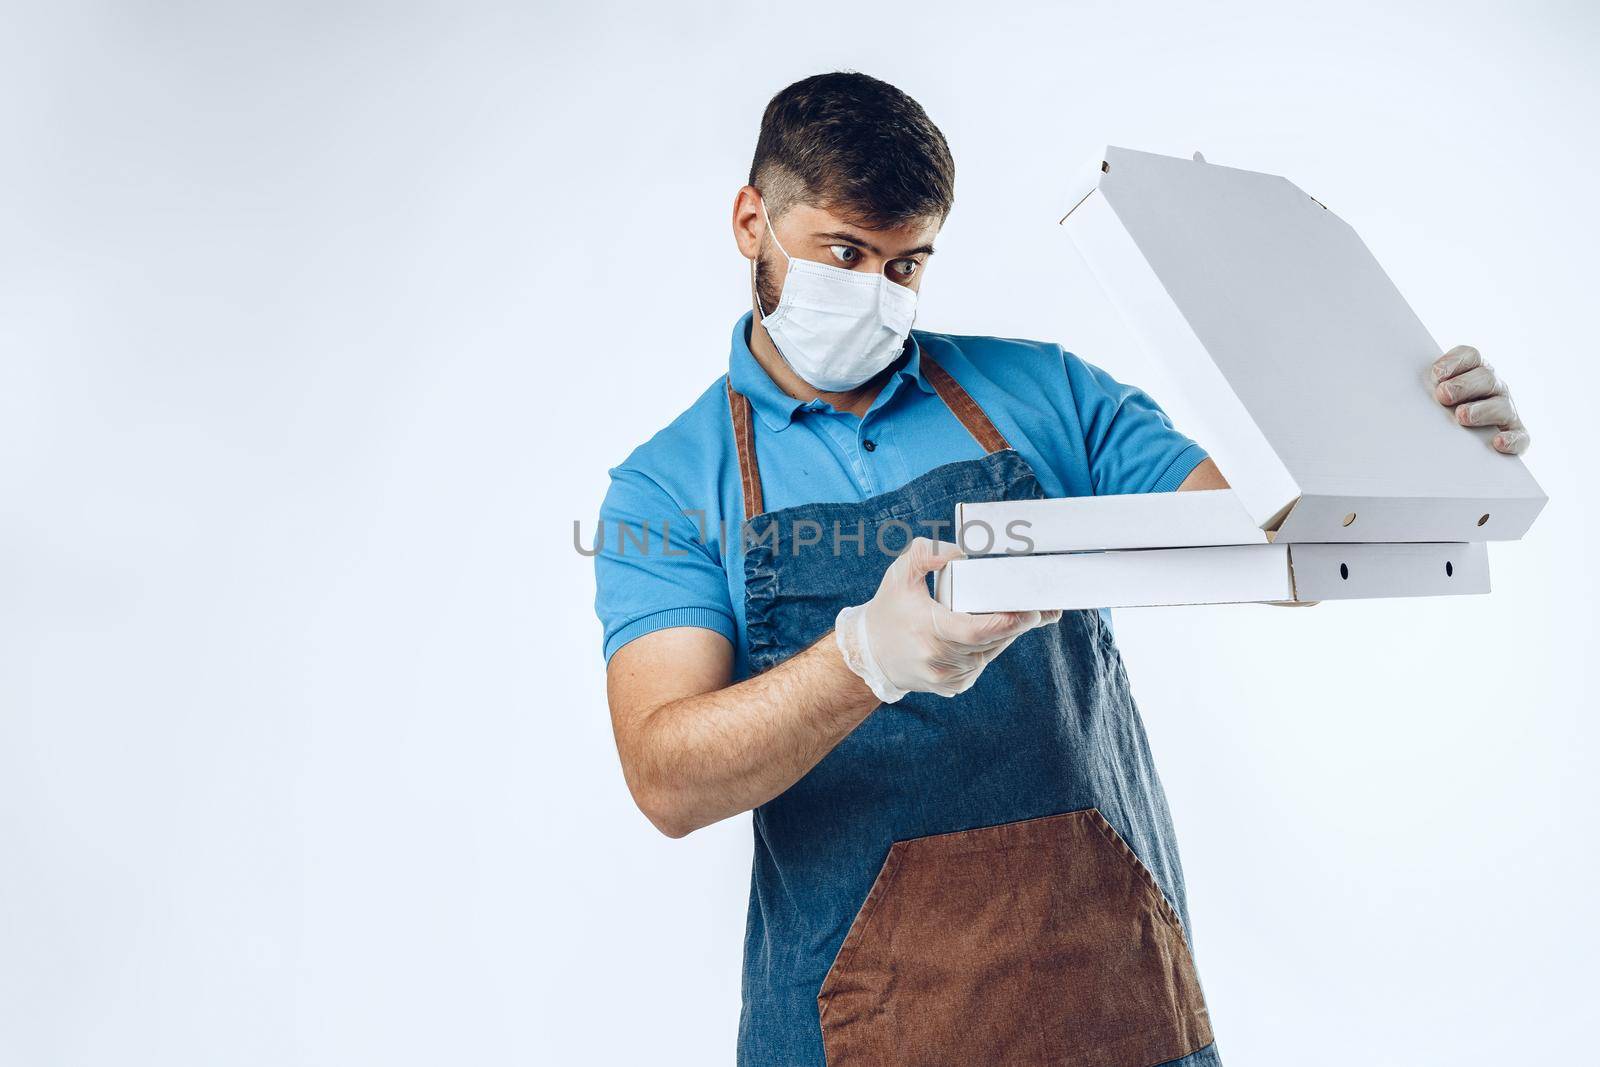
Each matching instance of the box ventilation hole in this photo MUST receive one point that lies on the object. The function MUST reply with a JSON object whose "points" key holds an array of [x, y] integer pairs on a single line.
{"points": [[1483, 518], [1449, 569], [1344, 571], [1348, 519]]}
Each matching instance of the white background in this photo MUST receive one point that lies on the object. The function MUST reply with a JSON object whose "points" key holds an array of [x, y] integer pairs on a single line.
{"points": [[321, 323]]}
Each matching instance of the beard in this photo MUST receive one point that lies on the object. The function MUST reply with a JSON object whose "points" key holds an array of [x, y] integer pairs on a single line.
{"points": [[768, 290]]}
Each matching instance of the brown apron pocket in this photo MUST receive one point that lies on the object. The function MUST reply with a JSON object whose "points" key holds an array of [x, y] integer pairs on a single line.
{"points": [[1043, 941]]}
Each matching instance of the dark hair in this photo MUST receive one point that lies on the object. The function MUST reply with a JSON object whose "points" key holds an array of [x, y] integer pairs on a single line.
{"points": [[853, 143]]}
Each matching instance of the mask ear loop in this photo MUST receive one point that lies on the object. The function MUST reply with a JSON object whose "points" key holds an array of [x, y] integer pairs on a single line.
{"points": [[774, 235], [883, 275]]}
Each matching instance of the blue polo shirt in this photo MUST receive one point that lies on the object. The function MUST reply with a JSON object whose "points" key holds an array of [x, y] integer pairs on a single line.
{"points": [[668, 546]]}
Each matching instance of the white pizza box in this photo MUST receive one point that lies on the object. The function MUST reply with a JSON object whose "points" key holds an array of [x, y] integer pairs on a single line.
{"points": [[1271, 335], [1212, 575], [1086, 523]]}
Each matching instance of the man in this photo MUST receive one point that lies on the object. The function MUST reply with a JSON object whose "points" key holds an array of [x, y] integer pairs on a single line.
{"points": [[962, 850]]}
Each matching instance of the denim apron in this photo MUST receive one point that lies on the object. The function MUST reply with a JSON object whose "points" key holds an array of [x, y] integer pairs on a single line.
{"points": [[988, 879]]}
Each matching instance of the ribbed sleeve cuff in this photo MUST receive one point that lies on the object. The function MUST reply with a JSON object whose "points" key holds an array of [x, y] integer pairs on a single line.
{"points": [[1180, 468], [705, 618]]}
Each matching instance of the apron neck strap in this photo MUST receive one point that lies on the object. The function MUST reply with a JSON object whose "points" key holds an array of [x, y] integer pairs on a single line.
{"points": [[957, 399], [744, 441], [963, 407]]}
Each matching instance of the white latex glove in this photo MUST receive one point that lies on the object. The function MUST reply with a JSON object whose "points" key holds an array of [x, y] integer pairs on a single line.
{"points": [[1463, 381], [904, 641]]}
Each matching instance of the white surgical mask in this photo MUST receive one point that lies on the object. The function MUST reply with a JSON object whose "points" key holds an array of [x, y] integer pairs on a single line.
{"points": [[835, 327]]}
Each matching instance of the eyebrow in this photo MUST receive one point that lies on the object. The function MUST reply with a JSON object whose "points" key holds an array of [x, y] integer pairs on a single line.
{"points": [[852, 239]]}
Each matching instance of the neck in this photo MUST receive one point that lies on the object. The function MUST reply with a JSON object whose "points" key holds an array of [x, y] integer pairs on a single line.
{"points": [[856, 401]]}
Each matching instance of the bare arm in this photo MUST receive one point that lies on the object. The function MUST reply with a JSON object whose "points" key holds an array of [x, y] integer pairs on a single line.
{"points": [[696, 749], [1204, 476]]}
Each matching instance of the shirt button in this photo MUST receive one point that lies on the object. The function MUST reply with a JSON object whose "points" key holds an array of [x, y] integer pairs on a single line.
{"points": [[870, 446]]}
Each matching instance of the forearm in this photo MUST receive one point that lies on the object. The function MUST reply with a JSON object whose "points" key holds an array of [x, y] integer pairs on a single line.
{"points": [[703, 758]]}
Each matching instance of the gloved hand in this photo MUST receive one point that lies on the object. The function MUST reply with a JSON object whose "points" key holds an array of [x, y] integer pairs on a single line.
{"points": [[904, 641], [1461, 375]]}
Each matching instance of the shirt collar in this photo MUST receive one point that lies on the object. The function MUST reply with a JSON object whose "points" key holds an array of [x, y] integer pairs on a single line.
{"points": [[777, 408]]}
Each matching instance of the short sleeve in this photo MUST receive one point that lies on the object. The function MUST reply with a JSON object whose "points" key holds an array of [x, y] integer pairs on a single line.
{"points": [[1132, 446], [653, 570]]}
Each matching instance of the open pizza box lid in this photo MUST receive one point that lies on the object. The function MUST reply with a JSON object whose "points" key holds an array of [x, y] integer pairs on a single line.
{"points": [[1272, 336]]}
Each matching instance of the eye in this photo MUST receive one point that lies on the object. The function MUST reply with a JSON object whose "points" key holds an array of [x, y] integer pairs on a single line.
{"points": [[901, 269], [846, 254]]}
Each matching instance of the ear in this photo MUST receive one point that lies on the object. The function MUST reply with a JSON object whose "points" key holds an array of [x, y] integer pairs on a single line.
{"points": [[748, 225]]}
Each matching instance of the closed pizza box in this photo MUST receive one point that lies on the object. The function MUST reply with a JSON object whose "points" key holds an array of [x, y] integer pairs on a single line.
{"points": [[1226, 574]]}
